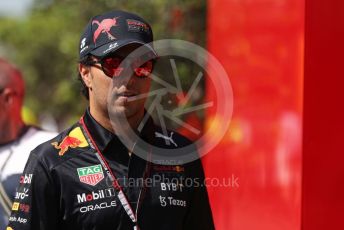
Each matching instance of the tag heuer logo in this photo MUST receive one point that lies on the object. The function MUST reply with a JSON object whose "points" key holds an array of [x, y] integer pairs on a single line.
{"points": [[91, 175]]}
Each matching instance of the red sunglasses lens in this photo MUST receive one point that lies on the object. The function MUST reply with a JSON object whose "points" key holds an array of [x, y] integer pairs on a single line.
{"points": [[145, 69], [111, 67]]}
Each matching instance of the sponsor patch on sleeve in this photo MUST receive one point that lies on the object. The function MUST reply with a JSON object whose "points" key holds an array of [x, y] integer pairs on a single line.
{"points": [[73, 140]]}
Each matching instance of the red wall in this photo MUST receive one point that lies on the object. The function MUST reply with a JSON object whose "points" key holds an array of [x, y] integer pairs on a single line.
{"points": [[281, 73], [261, 45], [323, 154]]}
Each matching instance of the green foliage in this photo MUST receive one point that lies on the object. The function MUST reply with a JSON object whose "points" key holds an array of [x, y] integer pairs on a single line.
{"points": [[45, 45]]}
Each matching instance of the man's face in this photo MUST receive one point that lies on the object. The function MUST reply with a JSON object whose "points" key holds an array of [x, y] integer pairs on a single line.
{"points": [[124, 89]]}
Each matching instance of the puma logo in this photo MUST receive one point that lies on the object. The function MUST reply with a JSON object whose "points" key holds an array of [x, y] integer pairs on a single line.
{"points": [[166, 137]]}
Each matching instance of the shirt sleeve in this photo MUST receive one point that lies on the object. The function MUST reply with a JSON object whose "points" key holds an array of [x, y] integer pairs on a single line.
{"points": [[199, 215], [35, 204]]}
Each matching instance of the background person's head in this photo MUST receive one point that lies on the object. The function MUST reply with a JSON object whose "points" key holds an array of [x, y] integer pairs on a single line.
{"points": [[106, 41], [11, 100]]}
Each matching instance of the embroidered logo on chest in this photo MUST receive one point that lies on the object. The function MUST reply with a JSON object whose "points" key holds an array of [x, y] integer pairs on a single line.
{"points": [[91, 175]]}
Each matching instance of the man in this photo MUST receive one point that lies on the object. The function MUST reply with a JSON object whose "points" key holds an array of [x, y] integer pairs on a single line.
{"points": [[16, 138], [86, 177]]}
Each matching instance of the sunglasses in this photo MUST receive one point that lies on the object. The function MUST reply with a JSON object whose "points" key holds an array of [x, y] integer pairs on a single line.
{"points": [[112, 67]]}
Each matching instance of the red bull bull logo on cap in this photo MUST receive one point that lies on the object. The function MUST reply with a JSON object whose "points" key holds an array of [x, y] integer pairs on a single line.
{"points": [[104, 27]]}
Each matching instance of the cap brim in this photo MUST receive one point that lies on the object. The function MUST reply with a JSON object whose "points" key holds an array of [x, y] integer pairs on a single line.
{"points": [[115, 45]]}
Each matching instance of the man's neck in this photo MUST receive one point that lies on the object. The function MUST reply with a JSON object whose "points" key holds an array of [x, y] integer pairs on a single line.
{"points": [[11, 131], [114, 127]]}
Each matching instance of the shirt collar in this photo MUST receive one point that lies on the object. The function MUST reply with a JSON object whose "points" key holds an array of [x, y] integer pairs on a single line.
{"points": [[99, 134], [103, 136]]}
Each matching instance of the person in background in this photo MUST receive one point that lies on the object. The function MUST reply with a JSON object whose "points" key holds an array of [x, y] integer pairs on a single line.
{"points": [[16, 138]]}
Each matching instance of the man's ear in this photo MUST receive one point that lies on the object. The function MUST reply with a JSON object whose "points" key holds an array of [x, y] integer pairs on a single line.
{"points": [[8, 96], [85, 72]]}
